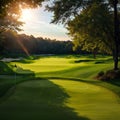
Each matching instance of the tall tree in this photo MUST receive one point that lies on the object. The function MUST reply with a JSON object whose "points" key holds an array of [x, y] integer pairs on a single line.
{"points": [[67, 10], [10, 11], [116, 35], [90, 29]]}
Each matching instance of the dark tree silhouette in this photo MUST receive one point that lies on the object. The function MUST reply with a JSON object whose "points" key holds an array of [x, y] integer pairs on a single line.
{"points": [[117, 32]]}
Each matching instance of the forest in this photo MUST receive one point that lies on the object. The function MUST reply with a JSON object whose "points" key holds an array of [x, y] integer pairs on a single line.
{"points": [[21, 44]]}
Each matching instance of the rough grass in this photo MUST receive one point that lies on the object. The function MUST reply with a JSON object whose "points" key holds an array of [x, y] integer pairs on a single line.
{"points": [[58, 88]]}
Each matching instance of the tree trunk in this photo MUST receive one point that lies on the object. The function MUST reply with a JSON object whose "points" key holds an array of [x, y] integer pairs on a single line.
{"points": [[115, 58], [116, 34], [94, 53]]}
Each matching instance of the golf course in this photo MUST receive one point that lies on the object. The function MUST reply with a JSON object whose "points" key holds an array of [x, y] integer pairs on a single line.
{"points": [[58, 87]]}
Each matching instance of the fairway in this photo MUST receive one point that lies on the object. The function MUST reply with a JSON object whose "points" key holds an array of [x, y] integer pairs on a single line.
{"points": [[45, 64], [63, 66], [60, 100], [58, 88]]}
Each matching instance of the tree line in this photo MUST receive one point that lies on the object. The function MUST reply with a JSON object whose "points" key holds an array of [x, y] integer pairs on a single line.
{"points": [[14, 43]]}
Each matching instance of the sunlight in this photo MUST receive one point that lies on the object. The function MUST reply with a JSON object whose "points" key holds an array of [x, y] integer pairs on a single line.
{"points": [[26, 15], [23, 47]]}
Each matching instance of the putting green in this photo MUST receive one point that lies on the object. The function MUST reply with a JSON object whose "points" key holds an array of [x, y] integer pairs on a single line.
{"points": [[59, 100]]}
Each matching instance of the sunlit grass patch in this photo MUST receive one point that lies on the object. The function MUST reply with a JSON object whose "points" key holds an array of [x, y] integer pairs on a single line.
{"points": [[46, 64], [66, 66], [94, 102]]}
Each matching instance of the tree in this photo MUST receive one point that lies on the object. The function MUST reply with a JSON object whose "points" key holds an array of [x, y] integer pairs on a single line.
{"points": [[67, 10], [116, 35], [90, 30], [9, 15], [10, 11], [9, 20]]}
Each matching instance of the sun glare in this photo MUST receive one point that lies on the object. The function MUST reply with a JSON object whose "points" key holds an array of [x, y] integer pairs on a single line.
{"points": [[26, 15]]}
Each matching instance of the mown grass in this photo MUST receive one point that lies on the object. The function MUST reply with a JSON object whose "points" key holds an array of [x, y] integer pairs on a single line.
{"points": [[97, 103], [58, 88], [38, 100]]}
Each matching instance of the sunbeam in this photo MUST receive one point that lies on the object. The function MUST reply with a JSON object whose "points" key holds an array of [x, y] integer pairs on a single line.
{"points": [[23, 47]]}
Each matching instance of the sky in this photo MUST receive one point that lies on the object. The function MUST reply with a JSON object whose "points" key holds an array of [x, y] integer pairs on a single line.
{"points": [[37, 23]]}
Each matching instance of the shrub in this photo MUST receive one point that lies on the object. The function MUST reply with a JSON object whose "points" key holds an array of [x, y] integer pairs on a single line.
{"points": [[100, 75], [109, 75]]}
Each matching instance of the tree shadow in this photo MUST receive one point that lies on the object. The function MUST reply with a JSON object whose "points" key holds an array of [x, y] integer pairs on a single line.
{"points": [[9, 78], [38, 99], [24, 61], [4, 68], [115, 82]]}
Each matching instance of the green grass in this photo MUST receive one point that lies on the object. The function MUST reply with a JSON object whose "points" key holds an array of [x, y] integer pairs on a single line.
{"points": [[60, 66], [58, 88], [37, 100], [94, 102]]}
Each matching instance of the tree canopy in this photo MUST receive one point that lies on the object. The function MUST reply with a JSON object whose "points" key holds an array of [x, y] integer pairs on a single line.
{"points": [[65, 10], [10, 11], [93, 24], [93, 29]]}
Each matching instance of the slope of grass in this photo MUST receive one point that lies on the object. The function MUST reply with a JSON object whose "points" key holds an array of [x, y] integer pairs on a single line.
{"points": [[62, 88]]}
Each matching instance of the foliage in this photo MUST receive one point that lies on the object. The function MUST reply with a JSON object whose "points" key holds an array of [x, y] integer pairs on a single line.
{"points": [[10, 20], [101, 73], [93, 23], [5, 5], [92, 30], [64, 12], [10, 11], [109, 75]]}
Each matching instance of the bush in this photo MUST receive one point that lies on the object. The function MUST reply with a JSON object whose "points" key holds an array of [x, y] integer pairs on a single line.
{"points": [[109, 75], [101, 73]]}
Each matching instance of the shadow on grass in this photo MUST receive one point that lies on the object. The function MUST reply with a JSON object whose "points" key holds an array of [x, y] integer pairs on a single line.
{"points": [[95, 61], [26, 97], [4, 68], [79, 61], [38, 99], [24, 61], [114, 82], [8, 77]]}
